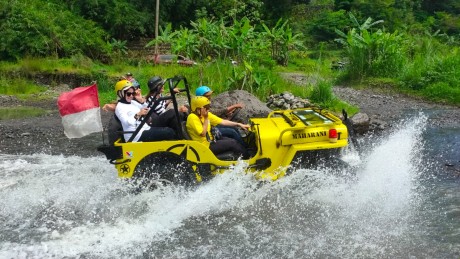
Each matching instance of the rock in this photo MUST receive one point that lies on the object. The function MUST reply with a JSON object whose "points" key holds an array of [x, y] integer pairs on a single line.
{"points": [[360, 122], [377, 125], [253, 107], [286, 101]]}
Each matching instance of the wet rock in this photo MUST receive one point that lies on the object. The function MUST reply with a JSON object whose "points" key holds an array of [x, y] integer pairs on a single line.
{"points": [[360, 122], [377, 125]]}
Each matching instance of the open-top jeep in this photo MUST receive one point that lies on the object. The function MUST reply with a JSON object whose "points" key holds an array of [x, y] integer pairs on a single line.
{"points": [[274, 142]]}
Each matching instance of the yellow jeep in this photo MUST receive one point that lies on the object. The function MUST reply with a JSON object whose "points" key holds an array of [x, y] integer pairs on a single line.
{"points": [[274, 143]]}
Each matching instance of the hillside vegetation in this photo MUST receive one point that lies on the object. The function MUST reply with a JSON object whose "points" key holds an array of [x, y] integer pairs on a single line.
{"points": [[410, 45]]}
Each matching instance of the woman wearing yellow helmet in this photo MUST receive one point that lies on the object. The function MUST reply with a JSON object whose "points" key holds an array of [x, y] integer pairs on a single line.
{"points": [[228, 112], [129, 113], [199, 124], [119, 86]]}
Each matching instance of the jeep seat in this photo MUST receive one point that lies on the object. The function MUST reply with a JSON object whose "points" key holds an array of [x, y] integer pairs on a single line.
{"points": [[184, 130], [113, 130]]}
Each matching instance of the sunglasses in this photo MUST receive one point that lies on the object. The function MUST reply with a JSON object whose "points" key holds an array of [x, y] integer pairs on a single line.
{"points": [[128, 94]]}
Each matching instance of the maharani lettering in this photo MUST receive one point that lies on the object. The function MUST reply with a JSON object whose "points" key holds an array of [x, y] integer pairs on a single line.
{"points": [[309, 134]]}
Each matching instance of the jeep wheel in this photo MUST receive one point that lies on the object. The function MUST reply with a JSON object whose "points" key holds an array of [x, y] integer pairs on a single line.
{"points": [[163, 169]]}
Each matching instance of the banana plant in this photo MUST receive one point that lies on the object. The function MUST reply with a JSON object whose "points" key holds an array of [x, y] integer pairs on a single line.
{"points": [[282, 40], [186, 43], [372, 53], [242, 77], [241, 34], [165, 36]]}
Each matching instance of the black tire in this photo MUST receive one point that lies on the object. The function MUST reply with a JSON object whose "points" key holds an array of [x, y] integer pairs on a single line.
{"points": [[162, 169]]}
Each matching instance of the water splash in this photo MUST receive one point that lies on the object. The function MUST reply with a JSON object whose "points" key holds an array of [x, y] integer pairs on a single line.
{"points": [[72, 206]]}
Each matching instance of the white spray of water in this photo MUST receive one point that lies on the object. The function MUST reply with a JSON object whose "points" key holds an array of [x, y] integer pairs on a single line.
{"points": [[74, 206], [365, 216], [83, 185]]}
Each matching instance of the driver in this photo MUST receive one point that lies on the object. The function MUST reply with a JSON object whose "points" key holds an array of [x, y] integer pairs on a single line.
{"points": [[199, 124], [223, 113]]}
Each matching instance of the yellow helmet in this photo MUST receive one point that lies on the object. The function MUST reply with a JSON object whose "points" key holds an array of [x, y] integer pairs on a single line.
{"points": [[121, 86], [199, 102]]}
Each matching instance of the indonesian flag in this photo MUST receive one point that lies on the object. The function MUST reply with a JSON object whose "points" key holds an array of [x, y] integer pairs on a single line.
{"points": [[80, 111]]}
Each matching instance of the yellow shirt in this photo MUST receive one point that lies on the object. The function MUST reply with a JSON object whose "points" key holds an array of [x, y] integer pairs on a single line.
{"points": [[195, 127]]}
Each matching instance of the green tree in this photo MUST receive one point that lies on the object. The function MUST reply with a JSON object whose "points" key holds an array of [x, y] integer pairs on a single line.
{"points": [[322, 27], [42, 28], [123, 20], [234, 10]]}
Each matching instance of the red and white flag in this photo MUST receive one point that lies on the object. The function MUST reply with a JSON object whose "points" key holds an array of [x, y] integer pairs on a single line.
{"points": [[80, 111]]}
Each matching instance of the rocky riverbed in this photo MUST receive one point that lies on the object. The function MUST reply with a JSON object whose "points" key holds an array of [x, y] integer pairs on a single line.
{"points": [[45, 134]]}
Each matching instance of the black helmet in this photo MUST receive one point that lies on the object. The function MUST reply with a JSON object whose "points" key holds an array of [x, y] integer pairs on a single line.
{"points": [[154, 83]]}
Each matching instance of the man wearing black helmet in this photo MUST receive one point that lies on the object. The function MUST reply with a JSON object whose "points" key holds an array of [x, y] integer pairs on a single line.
{"points": [[156, 89], [162, 117]]}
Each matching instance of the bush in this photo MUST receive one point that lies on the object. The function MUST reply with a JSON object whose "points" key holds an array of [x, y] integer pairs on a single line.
{"points": [[41, 29], [378, 54], [432, 68], [442, 92], [322, 93]]}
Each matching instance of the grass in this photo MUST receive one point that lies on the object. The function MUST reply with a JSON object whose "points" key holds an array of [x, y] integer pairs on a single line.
{"points": [[442, 92], [19, 86], [20, 112], [260, 80]]}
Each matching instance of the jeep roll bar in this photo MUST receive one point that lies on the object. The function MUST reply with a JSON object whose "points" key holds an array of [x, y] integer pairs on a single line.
{"points": [[172, 83]]}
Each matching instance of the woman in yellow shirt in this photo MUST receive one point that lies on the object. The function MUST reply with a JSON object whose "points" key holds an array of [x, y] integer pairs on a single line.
{"points": [[199, 124]]}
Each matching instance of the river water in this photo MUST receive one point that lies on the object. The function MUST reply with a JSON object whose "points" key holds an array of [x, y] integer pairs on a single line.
{"points": [[396, 200]]}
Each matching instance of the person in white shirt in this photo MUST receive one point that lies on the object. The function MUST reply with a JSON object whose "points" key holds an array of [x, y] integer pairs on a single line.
{"points": [[129, 113]]}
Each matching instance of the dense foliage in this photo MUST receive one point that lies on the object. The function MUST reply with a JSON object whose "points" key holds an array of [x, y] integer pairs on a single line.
{"points": [[42, 28], [407, 44], [66, 27]]}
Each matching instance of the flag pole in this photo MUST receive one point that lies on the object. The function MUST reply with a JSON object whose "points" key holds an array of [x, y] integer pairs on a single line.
{"points": [[103, 128], [157, 13], [102, 133]]}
